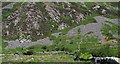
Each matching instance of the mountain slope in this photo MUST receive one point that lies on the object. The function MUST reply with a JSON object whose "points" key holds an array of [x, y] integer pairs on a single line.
{"points": [[39, 20]]}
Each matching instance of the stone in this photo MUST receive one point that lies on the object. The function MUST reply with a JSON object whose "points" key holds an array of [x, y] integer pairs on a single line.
{"points": [[62, 26], [53, 26], [7, 33], [57, 34], [95, 8], [103, 11]]}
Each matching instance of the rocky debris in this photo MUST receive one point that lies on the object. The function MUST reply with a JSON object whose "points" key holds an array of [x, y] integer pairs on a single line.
{"points": [[100, 9], [22, 40], [104, 11], [28, 43], [96, 7], [33, 14], [30, 18], [24, 19], [80, 17], [62, 26], [56, 34], [7, 33], [54, 14]]}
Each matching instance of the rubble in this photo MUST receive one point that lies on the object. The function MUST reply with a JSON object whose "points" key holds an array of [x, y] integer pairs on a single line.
{"points": [[62, 26]]}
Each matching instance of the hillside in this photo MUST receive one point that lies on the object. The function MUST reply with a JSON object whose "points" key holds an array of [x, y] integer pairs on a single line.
{"points": [[61, 26]]}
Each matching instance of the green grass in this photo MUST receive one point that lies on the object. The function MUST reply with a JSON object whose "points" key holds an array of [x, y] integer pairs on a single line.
{"points": [[90, 4], [111, 16], [88, 20], [94, 49], [39, 58], [13, 51], [106, 28], [86, 62], [0, 18], [87, 45], [60, 44]]}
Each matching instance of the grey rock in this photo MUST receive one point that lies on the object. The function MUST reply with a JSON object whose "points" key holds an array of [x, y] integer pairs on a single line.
{"points": [[92, 27], [56, 34], [25, 44]]}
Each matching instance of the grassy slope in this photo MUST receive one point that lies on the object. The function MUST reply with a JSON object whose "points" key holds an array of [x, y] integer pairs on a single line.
{"points": [[16, 6], [39, 58], [94, 46]]}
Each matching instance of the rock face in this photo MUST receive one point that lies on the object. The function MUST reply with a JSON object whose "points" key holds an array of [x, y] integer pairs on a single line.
{"points": [[54, 13], [38, 19], [92, 27], [85, 29]]}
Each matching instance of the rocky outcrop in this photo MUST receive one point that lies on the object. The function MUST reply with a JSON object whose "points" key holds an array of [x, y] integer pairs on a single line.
{"points": [[93, 27], [28, 43], [101, 20], [37, 19], [56, 34]]}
